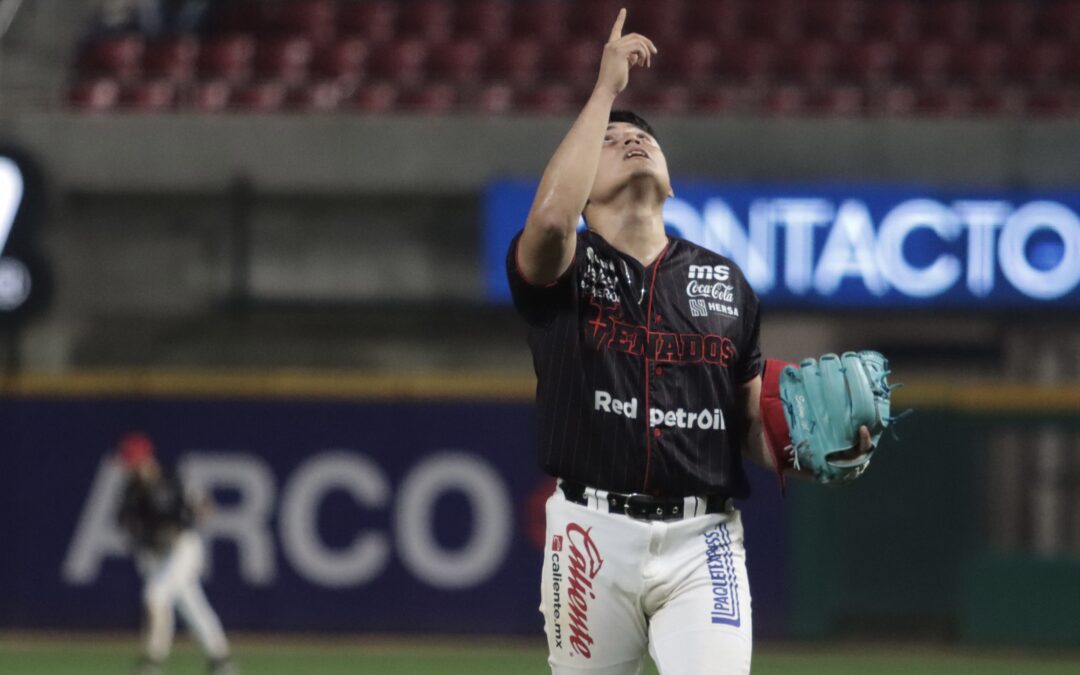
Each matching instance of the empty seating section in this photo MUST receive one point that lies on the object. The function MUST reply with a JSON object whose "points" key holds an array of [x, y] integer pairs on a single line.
{"points": [[769, 57]]}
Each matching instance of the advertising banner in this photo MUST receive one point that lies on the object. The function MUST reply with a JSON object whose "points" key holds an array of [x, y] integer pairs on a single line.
{"points": [[332, 515], [860, 246]]}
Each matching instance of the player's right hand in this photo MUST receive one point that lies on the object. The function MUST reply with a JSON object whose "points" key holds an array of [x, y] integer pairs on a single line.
{"points": [[620, 53]]}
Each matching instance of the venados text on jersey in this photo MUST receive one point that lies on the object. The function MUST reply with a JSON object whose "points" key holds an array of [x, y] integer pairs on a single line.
{"points": [[605, 331], [678, 419]]}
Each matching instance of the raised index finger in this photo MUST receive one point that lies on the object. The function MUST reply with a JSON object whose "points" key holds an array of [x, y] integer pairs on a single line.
{"points": [[616, 30]]}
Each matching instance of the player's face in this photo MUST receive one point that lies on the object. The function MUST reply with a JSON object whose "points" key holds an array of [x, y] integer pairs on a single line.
{"points": [[630, 155]]}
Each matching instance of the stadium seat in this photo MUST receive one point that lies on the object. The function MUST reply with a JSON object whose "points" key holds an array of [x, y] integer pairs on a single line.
{"points": [[594, 18], [784, 100], [692, 61], [660, 21], [344, 60], [552, 99], [380, 97], [836, 20], [323, 95], [870, 63], [243, 16], [171, 58], [211, 96], [260, 97], [895, 100], [150, 96], [118, 57], [1059, 20], [434, 98], [811, 63], [1055, 102], [1040, 64], [838, 101], [671, 99], [517, 62], [776, 20], [486, 20], [1011, 21], [543, 20], [460, 62], [951, 20], [751, 62], [228, 58], [982, 64], [894, 20], [373, 20], [926, 64], [944, 102], [314, 19], [715, 20], [402, 61], [998, 101], [286, 59], [430, 20], [719, 100], [577, 62], [94, 95], [495, 99]]}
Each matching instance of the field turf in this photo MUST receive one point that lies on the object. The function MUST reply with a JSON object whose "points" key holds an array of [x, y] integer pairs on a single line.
{"points": [[89, 655]]}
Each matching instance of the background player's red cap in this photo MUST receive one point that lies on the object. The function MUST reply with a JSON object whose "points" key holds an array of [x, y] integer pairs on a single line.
{"points": [[134, 448]]}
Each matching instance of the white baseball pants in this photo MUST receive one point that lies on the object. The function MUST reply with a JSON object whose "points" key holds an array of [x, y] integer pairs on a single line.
{"points": [[172, 580], [614, 586]]}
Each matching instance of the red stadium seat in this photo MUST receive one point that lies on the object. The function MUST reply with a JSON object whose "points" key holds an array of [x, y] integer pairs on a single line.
{"points": [[837, 20], [951, 20], [431, 20], [982, 64], [693, 61], [376, 98], [438, 98], [1052, 103], [460, 62], [870, 63], [671, 99], [724, 100], [495, 99], [892, 101], [485, 20], [404, 61], [752, 62], [344, 60], [287, 59], [1009, 20], [517, 62], [171, 58], [576, 63], [228, 58], [944, 102], [260, 97], [211, 96], [374, 20], [543, 20], [321, 96], [715, 20], [150, 96], [661, 22], [777, 20], [95, 95], [894, 20], [927, 64], [840, 101], [997, 102], [119, 57], [314, 19], [784, 100], [552, 99], [1040, 64], [244, 16], [1060, 20], [811, 63], [592, 19]]}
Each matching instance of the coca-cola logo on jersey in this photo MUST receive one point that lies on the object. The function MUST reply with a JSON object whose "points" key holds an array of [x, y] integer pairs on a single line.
{"points": [[584, 563], [716, 291]]}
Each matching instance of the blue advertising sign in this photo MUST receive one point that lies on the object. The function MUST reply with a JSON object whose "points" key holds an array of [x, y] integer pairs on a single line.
{"points": [[332, 515], [836, 246]]}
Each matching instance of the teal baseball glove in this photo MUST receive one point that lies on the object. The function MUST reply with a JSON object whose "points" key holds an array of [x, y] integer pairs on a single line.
{"points": [[825, 401]]}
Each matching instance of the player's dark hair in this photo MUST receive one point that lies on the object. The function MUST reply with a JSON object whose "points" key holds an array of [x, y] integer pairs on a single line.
{"points": [[633, 118]]}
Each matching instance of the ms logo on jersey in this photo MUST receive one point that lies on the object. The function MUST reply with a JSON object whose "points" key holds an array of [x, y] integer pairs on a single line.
{"points": [[710, 272]]}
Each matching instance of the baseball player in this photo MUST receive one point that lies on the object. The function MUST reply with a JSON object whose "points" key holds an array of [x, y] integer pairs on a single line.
{"points": [[160, 519], [648, 369]]}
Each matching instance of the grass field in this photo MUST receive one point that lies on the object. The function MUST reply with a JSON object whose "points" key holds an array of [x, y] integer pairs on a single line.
{"points": [[39, 655]]}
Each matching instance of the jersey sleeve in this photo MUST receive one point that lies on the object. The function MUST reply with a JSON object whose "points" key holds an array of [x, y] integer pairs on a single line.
{"points": [[749, 364], [538, 303]]}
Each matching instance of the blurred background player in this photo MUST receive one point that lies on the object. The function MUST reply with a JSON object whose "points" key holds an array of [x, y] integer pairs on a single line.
{"points": [[160, 518]]}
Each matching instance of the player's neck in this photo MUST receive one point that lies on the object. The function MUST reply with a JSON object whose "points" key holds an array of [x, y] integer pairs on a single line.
{"points": [[635, 228]]}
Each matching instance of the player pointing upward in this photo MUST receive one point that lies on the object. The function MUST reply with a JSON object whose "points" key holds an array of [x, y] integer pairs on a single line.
{"points": [[648, 379]]}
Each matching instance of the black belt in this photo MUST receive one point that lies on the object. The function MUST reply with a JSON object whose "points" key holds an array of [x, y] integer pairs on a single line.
{"points": [[645, 507]]}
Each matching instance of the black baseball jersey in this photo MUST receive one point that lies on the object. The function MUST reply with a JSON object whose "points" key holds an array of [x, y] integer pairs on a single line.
{"points": [[154, 513], [638, 368]]}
